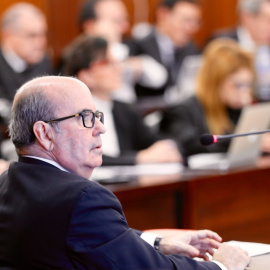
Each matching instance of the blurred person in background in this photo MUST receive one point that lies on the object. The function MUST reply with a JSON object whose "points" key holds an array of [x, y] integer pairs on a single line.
{"points": [[177, 21], [22, 57], [127, 140], [225, 84], [253, 34], [23, 47], [109, 19]]}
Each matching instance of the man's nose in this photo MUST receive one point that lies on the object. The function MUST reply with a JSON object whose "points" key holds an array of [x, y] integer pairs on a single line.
{"points": [[99, 127]]}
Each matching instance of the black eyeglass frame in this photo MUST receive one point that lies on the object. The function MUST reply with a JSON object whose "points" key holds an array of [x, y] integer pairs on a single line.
{"points": [[81, 114]]}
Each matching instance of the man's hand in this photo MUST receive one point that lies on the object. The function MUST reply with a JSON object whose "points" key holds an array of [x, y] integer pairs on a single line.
{"points": [[234, 258], [160, 152], [191, 243]]}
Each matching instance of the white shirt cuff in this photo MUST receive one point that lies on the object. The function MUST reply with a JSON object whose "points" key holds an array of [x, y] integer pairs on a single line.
{"points": [[150, 238], [153, 75], [222, 266]]}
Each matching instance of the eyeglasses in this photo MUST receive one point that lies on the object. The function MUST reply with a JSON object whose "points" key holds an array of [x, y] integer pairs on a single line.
{"points": [[88, 118]]}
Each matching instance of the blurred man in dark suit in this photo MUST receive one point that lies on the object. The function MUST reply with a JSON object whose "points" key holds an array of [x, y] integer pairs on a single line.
{"points": [[171, 40]]}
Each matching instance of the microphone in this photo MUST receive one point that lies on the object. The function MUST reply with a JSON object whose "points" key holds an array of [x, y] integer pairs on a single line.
{"points": [[207, 139]]}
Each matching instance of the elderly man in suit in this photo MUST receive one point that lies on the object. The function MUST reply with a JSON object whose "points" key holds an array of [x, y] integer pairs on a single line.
{"points": [[53, 217], [23, 53]]}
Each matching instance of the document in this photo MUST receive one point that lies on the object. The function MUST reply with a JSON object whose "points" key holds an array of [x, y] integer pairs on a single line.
{"points": [[137, 170], [253, 249]]}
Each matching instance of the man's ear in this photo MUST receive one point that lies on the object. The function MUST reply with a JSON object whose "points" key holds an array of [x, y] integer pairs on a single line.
{"points": [[44, 135]]}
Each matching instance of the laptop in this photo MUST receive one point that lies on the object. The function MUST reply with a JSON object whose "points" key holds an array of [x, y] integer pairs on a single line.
{"points": [[243, 151]]}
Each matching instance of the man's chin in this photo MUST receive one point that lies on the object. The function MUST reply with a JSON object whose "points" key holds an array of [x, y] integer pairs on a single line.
{"points": [[99, 162]]}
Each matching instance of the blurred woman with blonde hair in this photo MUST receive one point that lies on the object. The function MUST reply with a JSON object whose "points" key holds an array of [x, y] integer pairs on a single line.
{"points": [[225, 84]]}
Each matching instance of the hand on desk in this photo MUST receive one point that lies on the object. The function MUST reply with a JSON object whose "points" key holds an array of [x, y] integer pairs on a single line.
{"points": [[234, 258], [162, 151], [199, 243], [265, 143], [191, 243]]}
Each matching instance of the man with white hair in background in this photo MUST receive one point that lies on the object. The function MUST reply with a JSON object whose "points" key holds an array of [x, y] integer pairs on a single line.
{"points": [[23, 47], [23, 56]]}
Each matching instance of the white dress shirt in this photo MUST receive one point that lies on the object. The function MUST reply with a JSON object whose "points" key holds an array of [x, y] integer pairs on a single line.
{"points": [[153, 74], [110, 143], [15, 62], [245, 40]]}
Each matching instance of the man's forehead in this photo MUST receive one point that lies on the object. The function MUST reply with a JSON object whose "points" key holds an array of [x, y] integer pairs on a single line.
{"points": [[60, 89]]}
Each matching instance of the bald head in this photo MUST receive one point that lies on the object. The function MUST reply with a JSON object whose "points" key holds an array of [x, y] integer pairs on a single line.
{"points": [[24, 30], [55, 118], [42, 98], [55, 88]]}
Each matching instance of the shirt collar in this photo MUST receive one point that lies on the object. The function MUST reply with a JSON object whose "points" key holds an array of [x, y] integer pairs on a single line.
{"points": [[104, 104], [245, 40], [164, 42], [15, 62], [50, 162]]}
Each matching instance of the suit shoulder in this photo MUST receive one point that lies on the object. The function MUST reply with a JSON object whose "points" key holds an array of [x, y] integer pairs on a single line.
{"points": [[125, 107], [225, 33]]}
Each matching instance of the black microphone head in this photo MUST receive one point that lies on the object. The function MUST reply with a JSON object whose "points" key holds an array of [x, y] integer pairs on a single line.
{"points": [[206, 139]]}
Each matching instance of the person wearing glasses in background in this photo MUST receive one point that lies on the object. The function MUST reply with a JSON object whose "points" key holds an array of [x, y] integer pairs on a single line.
{"points": [[53, 217], [225, 84], [127, 140]]}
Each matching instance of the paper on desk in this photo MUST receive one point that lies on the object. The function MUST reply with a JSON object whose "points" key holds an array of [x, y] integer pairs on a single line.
{"points": [[253, 249], [202, 161], [137, 170]]}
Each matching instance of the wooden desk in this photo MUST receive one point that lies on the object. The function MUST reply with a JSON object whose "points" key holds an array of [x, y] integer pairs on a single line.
{"points": [[235, 204]]}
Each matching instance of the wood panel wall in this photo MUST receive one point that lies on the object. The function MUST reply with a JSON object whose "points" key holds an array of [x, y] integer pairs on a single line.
{"points": [[63, 26]]}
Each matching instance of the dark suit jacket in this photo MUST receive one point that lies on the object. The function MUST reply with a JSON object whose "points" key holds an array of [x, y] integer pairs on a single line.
{"points": [[186, 122], [51, 219], [149, 46], [10, 80], [133, 135]]}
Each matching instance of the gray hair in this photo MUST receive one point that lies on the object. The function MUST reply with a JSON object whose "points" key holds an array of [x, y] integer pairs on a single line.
{"points": [[250, 6], [12, 15], [30, 108]]}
